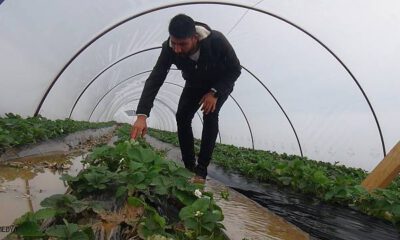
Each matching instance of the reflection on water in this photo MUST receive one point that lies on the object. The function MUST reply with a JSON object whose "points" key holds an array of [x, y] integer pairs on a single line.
{"points": [[246, 219], [25, 182]]}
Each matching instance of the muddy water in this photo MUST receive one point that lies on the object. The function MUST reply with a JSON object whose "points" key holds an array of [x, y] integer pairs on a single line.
{"points": [[25, 182], [245, 219]]}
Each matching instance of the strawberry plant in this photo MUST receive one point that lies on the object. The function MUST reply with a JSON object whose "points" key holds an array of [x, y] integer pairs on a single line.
{"points": [[16, 131], [159, 191], [329, 182]]}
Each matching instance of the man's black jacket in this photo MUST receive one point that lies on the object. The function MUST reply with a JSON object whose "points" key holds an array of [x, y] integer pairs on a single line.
{"points": [[217, 67]]}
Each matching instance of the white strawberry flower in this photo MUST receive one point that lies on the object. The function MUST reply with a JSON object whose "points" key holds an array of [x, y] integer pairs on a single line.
{"points": [[198, 214], [198, 193]]}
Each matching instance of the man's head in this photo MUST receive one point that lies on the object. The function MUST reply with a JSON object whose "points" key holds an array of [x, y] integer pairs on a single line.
{"points": [[183, 37]]}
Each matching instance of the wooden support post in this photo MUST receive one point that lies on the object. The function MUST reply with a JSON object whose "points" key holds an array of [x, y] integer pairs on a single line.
{"points": [[384, 173]]}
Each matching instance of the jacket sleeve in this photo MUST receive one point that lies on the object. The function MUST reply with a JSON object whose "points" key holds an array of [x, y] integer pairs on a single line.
{"points": [[232, 67], [155, 81]]}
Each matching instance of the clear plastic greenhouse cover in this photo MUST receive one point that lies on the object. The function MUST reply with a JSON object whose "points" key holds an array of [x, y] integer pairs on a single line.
{"points": [[319, 79]]}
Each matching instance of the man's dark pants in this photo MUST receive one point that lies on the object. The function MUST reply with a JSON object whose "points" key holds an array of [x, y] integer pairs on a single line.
{"points": [[187, 108]]}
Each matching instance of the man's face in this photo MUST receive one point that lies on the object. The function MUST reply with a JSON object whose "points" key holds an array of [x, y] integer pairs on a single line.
{"points": [[184, 46]]}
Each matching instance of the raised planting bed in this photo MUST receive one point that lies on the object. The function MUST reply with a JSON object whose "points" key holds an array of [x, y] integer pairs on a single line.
{"points": [[16, 131], [330, 183], [126, 191]]}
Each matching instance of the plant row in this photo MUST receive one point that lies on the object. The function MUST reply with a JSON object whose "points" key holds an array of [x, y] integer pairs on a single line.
{"points": [[16, 131], [328, 182], [154, 196]]}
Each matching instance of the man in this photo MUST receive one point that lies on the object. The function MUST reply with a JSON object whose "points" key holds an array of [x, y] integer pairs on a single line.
{"points": [[210, 67]]}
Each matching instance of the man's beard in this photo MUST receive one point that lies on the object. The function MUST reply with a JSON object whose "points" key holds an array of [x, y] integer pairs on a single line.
{"points": [[186, 54], [183, 54], [190, 52]]}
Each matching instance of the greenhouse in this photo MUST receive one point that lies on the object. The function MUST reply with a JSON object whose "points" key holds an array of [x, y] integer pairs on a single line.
{"points": [[307, 141]]}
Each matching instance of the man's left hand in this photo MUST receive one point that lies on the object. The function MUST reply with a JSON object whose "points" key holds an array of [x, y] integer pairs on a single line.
{"points": [[209, 102]]}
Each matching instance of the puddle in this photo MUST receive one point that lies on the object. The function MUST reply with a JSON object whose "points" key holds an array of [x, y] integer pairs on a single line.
{"points": [[25, 182], [245, 219]]}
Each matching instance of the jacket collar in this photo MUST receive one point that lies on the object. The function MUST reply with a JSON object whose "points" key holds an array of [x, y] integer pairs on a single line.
{"points": [[202, 30]]}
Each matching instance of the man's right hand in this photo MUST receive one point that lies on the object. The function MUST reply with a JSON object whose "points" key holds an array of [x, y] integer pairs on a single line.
{"points": [[139, 128]]}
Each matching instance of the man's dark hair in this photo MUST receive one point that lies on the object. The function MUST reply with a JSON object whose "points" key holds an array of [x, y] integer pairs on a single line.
{"points": [[182, 26]]}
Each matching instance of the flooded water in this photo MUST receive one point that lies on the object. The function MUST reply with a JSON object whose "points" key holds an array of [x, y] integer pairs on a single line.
{"points": [[245, 219], [25, 182]]}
